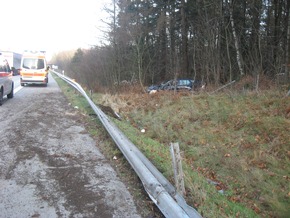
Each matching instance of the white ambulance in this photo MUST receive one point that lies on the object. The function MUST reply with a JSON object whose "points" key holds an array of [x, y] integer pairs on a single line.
{"points": [[33, 68], [6, 82]]}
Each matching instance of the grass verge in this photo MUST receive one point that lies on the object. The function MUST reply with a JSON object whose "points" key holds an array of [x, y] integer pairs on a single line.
{"points": [[237, 141]]}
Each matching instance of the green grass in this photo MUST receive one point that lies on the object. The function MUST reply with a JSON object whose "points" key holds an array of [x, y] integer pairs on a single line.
{"points": [[239, 140]]}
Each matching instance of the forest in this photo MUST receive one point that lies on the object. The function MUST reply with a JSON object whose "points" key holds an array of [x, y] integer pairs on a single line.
{"points": [[151, 41]]}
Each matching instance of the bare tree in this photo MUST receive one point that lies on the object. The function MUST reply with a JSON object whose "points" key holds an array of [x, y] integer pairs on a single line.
{"points": [[287, 59], [184, 36], [237, 45]]}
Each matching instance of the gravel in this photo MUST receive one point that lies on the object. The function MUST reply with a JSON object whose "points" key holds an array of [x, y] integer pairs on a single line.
{"points": [[49, 164]]}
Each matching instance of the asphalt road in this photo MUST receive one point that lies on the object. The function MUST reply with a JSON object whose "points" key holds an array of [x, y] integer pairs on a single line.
{"points": [[49, 164]]}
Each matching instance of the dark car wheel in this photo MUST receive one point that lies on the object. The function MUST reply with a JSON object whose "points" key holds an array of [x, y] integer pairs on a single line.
{"points": [[1, 97], [11, 94]]}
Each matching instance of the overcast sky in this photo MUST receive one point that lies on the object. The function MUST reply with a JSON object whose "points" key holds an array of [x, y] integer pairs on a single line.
{"points": [[50, 25]]}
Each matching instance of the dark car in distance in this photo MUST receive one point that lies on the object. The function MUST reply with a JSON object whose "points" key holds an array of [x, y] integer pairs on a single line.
{"points": [[179, 85]]}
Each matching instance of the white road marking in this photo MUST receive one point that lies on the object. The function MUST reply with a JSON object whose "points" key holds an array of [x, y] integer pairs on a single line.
{"points": [[17, 89]]}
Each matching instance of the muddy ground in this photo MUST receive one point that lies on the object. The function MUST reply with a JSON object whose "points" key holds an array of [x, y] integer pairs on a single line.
{"points": [[49, 164]]}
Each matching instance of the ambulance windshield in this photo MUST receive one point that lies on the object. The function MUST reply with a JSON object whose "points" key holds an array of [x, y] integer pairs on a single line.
{"points": [[33, 63]]}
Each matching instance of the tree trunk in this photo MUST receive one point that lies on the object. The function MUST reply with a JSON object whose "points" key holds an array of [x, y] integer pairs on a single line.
{"points": [[238, 52], [184, 37], [162, 43], [287, 61]]}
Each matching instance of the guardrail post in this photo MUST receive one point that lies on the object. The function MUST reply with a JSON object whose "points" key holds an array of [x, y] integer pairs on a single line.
{"points": [[177, 168]]}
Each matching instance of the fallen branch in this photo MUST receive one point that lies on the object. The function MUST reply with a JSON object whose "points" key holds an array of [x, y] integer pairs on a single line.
{"points": [[230, 83]]}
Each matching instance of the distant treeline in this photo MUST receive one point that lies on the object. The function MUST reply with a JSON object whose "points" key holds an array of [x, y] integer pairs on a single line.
{"points": [[150, 41]]}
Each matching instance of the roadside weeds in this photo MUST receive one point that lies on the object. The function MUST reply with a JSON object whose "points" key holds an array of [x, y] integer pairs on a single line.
{"points": [[235, 147]]}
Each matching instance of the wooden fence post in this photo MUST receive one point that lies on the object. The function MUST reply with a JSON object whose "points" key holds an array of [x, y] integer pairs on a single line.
{"points": [[177, 168]]}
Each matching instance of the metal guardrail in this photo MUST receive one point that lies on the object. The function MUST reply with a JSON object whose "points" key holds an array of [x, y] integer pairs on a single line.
{"points": [[159, 189]]}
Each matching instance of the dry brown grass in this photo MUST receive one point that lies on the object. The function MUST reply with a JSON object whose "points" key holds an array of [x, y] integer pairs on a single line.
{"points": [[239, 140]]}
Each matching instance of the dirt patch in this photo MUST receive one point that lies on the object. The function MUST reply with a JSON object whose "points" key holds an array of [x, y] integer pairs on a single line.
{"points": [[50, 166]]}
